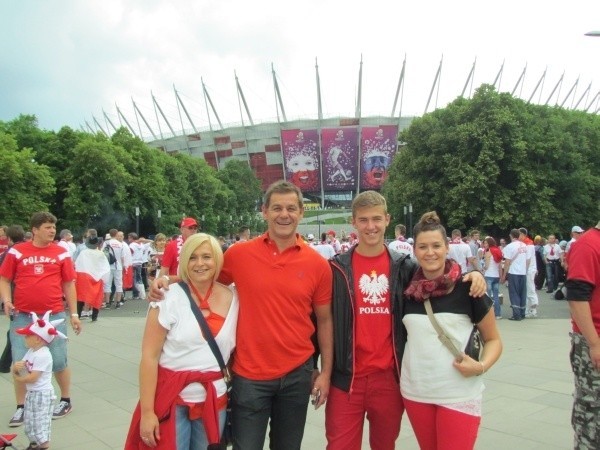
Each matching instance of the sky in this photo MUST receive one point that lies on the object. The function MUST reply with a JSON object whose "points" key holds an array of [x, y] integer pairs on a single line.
{"points": [[70, 61]]}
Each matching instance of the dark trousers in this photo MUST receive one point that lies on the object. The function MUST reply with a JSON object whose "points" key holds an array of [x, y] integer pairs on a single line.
{"points": [[282, 401], [517, 291], [552, 275]]}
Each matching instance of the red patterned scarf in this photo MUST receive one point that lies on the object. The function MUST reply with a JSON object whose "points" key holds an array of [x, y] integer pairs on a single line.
{"points": [[421, 289]]}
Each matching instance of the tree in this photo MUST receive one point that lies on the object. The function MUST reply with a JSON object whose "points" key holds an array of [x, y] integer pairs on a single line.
{"points": [[26, 185], [495, 162]]}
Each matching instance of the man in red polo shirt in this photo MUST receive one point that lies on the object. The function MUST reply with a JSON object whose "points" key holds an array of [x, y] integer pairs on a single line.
{"points": [[281, 281], [42, 273], [170, 260]]}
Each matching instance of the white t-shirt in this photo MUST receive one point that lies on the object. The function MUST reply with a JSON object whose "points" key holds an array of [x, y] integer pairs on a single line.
{"points": [[118, 248], [460, 252], [516, 251], [185, 348], [325, 250], [39, 360], [531, 259], [493, 270], [402, 247]]}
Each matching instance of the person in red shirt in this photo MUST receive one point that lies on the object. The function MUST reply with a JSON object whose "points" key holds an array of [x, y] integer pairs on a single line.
{"points": [[42, 273], [369, 338], [170, 259], [583, 294], [281, 281]]}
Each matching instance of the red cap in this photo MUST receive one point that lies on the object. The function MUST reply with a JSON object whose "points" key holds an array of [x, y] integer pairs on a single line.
{"points": [[331, 232], [188, 222]]}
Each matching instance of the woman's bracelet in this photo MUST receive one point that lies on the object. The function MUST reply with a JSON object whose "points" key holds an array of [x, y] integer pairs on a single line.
{"points": [[482, 368]]}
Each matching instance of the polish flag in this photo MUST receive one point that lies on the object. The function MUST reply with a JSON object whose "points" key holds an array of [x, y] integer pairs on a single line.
{"points": [[91, 266]]}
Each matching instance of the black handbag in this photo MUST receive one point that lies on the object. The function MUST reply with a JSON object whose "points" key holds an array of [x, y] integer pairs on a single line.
{"points": [[227, 436], [474, 347]]}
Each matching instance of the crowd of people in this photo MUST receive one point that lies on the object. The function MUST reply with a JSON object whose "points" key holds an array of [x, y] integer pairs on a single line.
{"points": [[247, 333]]}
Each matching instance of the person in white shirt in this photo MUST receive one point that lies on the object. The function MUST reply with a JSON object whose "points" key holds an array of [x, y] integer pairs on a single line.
{"points": [[66, 242], [460, 252], [532, 297], [552, 257], [35, 370], [139, 248], [325, 250], [515, 272], [400, 244], [116, 269]]}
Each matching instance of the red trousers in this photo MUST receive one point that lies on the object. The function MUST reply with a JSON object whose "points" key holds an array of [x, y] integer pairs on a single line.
{"points": [[440, 428], [378, 396]]}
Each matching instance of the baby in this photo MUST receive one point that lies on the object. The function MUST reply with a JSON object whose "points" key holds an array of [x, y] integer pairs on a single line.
{"points": [[35, 370]]}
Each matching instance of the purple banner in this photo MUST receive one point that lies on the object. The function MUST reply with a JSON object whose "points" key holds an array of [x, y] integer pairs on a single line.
{"points": [[378, 147], [300, 150], [340, 158]]}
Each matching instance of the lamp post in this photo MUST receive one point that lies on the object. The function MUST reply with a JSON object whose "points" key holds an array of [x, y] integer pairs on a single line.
{"points": [[410, 211], [137, 220], [593, 33], [158, 224], [405, 216]]}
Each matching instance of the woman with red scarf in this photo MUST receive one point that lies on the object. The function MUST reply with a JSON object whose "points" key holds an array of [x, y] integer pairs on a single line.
{"points": [[492, 265], [443, 394], [183, 394]]}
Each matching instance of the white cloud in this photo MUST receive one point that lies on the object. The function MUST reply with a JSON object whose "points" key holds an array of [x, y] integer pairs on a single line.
{"points": [[67, 60]]}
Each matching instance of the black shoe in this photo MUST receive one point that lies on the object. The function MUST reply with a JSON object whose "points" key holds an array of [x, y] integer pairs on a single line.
{"points": [[549, 292], [515, 318]]}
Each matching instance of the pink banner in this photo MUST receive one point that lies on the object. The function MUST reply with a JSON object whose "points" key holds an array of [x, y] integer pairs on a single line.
{"points": [[378, 147], [340, 152], [300, 150]]}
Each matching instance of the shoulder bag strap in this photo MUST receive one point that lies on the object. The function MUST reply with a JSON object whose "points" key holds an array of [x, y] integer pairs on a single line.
{"points": [[210, 339], [440, 332]]}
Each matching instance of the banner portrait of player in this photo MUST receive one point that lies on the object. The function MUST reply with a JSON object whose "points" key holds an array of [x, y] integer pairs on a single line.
{"points": [[300, 150], [378, 147]]}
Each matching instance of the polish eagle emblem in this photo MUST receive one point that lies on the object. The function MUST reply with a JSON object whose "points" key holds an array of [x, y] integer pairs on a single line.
{"points": [[374, 288]]}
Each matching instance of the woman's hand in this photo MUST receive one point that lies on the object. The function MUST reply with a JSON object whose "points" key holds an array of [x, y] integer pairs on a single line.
{"points": [[468, 367], [149, 429]]}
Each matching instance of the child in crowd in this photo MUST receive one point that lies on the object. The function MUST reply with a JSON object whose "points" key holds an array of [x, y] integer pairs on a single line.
{"points": [[35, 370]]}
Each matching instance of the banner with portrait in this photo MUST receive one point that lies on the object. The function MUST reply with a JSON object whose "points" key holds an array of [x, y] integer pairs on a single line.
{"points": [[300, 149], [377, 149], [340, 158]]}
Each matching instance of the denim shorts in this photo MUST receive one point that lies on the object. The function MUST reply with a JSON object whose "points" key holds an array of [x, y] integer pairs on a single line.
{"points": [[58, 347]]}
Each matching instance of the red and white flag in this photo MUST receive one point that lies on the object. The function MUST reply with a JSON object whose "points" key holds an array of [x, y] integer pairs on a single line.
{"points": [[91, 267]]}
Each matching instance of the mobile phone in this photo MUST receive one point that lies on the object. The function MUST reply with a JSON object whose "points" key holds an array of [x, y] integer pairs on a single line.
{"points": [[315, 398]]}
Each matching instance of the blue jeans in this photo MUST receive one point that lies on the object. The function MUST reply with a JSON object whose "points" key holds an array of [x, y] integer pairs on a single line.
{"points": [[517, 290], [190, 433], [283, 401], [492, 292]]}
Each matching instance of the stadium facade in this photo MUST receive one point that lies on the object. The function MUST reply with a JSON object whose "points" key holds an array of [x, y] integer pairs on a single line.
{"points": [[330, 159]]}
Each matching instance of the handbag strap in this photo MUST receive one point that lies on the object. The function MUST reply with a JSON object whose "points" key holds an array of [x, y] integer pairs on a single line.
{"points": [[210, 339], [442, 336]]}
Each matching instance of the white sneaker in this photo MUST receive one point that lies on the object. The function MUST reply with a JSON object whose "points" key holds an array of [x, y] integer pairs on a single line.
{"points": [[531, 314]]}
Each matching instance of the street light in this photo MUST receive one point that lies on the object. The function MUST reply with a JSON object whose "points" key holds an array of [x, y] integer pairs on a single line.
{"points": [[410, 219], [593, 33], [158, 225], [405, 216], [137, 220]]}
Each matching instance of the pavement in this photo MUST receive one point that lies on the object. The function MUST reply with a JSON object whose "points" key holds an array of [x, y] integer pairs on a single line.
{"points": [[527, 401]]}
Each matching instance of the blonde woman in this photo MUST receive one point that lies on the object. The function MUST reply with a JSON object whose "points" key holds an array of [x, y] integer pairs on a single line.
{"points": [[183, 395]]}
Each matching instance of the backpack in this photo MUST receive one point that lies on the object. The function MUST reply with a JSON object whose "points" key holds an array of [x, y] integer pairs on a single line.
{"points": [[110, 254]]}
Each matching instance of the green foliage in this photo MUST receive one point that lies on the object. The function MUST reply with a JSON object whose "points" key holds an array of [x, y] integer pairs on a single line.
{"points": [[495, 162], [26, 185]]}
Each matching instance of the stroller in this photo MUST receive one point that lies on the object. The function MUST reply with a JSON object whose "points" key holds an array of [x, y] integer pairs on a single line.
{"points": [[5, 441]]}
